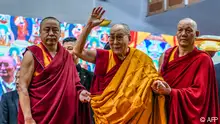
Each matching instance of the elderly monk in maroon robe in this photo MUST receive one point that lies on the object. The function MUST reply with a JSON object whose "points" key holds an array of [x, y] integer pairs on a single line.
{"points": [[121, 88], [190, 82], [49, 89]]}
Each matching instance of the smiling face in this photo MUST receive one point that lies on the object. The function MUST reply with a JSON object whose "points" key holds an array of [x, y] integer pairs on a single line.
{"points": [[119, 39], [7, 67], [186, 33], [69, 47], [50, 32]]}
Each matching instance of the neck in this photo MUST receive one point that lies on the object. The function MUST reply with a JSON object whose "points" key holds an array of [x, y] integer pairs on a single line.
{"points": [[123, 56], [52, 48], [8, 79], [185, 50]]}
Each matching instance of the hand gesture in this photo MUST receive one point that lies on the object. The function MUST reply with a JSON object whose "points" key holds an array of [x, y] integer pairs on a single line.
{"points": [[30, 121], [161, 88], [84, 96], [96, 17]]}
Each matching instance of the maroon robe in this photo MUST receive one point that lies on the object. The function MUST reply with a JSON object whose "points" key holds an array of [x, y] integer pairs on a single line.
{"points": [[194, 93], [54, 93], [101, 77]]}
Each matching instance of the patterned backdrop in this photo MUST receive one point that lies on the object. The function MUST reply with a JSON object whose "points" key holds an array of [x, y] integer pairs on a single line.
{"points": [[17, 32]]}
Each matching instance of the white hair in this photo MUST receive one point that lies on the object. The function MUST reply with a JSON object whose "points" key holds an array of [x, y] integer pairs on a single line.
{"points": [[193, 23]]}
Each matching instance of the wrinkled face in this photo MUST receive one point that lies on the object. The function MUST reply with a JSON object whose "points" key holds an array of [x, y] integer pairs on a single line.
{"points": [[119, 40], [186, 34], [69, 47], [7, 68], [50, 32]]}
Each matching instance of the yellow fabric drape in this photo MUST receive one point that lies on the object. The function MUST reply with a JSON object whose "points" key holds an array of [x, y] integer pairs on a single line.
{"points": [[129, 98], [46, 57], [172, 56]]}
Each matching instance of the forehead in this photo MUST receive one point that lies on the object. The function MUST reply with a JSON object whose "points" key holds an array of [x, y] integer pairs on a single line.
{"points": [[117, 29], [69, 43], [6, 59], [185, 24], [50, 23]]}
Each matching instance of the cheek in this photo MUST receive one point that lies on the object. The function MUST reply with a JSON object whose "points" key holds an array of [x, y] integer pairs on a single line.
{"points": [[43, 36], [10, 69]]}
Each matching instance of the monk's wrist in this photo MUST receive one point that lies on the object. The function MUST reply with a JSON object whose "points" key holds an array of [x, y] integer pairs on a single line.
{"points": [[28, 117], [88, 27]]}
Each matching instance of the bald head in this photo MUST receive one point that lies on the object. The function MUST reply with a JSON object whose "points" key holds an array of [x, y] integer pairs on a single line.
{"points": [[119, 39], [189, 21], [186, 33], [123, 26]]}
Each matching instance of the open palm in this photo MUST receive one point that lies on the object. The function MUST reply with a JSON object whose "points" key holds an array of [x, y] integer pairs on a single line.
{"points": [[96, 17]]}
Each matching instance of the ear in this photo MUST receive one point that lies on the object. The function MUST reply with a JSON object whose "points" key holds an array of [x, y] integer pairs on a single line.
{"points": [[197, 33]]}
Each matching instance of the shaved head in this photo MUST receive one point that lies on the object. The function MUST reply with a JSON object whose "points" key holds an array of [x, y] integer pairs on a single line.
{"points": [[189, 21], [186, 33], [125, 27]]}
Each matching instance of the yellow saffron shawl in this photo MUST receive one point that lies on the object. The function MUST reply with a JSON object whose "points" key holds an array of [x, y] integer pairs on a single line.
{"points": [[128, 98]]}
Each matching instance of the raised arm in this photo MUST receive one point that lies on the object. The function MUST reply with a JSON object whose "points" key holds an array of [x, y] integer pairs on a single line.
{"points": [[26, 74], [94, 20]]}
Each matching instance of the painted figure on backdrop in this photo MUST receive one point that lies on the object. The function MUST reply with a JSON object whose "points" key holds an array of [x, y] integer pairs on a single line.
{"points": [[104, 36], [155, 48], [14, 52], [93, 43], [22, 28], [63, 27], [35, 36], [6, 35], [142, 46], [76, 29]]}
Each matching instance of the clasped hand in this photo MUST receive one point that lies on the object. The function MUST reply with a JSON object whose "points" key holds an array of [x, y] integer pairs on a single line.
{"points": [[161, 87], [84, 96]]}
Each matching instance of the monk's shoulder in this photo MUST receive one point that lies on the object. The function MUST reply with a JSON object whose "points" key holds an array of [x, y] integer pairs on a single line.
{"points": [[33, 48], [143, 56], [204, 58], [101, 52], [169, 51]]}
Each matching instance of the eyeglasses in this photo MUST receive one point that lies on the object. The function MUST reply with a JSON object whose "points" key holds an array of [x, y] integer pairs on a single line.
{"points": [[117, 37], [5, 64]]}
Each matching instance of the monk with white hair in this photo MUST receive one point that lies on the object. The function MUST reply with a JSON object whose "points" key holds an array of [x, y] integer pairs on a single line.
{"points": [[190, 81]]}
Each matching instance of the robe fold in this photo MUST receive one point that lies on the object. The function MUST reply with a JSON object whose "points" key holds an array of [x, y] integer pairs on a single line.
{"points": [[54, 89], [121, 90], [194, 93]]}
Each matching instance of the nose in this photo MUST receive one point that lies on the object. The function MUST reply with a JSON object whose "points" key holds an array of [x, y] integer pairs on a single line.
{"points": [[184, 33], [115, 40], [50, 32]]}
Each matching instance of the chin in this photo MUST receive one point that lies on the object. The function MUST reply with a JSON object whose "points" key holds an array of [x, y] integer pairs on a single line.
{"points": [[50, 43], [183, 44]]}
